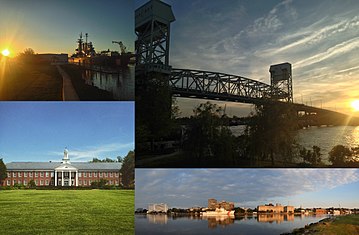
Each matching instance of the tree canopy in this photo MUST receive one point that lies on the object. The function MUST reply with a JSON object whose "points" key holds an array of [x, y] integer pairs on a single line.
{"points": [[128, 170], [3, 173]]}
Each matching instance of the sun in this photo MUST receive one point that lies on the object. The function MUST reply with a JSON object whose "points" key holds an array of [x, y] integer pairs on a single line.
{"points": [[355, 105], [5, 52]]}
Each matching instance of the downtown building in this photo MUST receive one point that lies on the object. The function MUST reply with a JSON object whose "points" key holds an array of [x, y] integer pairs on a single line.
{"points": [[278, 208], [62, 173]]}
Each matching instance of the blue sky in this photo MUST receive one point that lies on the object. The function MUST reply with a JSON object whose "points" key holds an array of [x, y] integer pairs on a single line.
{"points": [[319, 38], [54, 26], [248, 187], [39, 131]]}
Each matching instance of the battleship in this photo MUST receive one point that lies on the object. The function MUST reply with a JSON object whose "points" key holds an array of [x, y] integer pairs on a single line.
{"points": [[85, 54]]}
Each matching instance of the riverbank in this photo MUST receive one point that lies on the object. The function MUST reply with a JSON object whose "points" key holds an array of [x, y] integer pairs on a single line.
{"points": [[346, 225], [84, 91]]}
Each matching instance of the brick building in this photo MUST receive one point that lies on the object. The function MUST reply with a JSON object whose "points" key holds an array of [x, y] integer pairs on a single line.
{"points": [[213, 204], [278, 208], [62, 173]]}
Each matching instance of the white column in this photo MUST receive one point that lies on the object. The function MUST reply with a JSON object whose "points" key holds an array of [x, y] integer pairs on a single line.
{"points": [[62, 178], [70, 178], [77, 178], [55, 178]]}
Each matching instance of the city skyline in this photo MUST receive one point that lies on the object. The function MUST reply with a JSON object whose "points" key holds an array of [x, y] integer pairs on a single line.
{"points": [[248, 188], [244, 38], [40, 131], [54, 26]]}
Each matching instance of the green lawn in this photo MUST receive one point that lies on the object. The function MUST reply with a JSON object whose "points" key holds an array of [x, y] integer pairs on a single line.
{"points": [[67, 211]]}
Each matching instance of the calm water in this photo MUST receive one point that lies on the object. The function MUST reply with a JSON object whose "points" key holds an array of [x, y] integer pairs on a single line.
{"points": [[262, 224], [324, 137], [121, 85]]}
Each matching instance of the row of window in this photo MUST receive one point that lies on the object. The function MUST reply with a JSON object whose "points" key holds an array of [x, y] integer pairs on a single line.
{"points": [[30, 174], [24, 182], [47, 174]]}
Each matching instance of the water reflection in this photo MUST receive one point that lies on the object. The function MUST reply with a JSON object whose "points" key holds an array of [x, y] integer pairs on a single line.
{"points": [[221, 221], [277, 218], [119, 84], [157, 218]]}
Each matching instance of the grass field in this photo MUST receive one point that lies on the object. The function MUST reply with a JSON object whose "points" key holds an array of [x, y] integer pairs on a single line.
{"points": [[339, 225], [67, 211], [27, 81]]}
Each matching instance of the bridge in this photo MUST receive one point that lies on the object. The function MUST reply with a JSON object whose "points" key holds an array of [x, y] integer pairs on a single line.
{"points": [[152, 27], [221, 86]]}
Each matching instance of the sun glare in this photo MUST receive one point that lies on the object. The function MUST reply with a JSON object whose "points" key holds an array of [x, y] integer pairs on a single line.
{"points": [[5, 52], [355, 105]]}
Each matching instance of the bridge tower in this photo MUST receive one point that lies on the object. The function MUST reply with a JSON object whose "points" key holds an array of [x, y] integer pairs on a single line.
{"points": [[152, 27], [281, 81]]}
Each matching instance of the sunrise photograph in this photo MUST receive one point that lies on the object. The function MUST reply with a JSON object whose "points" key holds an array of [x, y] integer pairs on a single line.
{"points": [[66, 51]]}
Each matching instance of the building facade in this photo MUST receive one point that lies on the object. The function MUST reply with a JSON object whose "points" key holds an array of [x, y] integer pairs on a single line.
{"points": [[62, 173], [278, 208], [213, 204]]}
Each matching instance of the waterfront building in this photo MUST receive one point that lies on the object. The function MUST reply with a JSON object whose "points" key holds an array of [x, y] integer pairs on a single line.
{"points": [[278, 208], [64, 173], [320, 211], [213, 204], [157, 208]]}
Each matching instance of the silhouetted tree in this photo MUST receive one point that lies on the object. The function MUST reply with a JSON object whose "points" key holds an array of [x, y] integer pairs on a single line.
{"points": [[3, 173], [128, 170], [313, 157], [271, 133], [339, 155]]}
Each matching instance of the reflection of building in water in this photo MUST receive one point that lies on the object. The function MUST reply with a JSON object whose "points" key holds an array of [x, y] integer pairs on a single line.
{"points": [[278, 208], [159, 208], [213, 204], [222, 221], [157, 218], [278, 218]]}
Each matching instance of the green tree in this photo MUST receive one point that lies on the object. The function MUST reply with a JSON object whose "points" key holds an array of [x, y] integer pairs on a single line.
{"points": [[312, 157], [32, 184], [339, 155], [271, 133], [128, 170], [3, 173]]}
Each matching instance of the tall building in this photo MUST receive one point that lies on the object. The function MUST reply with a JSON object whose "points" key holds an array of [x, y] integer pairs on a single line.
{"points": [[213, 204], [62, 173]]}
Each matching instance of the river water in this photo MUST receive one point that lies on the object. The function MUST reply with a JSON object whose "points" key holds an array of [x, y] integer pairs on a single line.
{"points": [[262, 224], [121, 84], [324, 137]]}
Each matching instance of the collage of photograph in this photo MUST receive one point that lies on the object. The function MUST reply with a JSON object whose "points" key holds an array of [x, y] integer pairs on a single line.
{"points": [[179, 117]]}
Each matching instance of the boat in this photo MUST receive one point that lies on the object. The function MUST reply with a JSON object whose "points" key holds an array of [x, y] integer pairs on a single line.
{"points": [[218, 212]]}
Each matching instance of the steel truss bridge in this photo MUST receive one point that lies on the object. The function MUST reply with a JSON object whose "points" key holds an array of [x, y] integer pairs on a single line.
{"points": [[221, 86]]}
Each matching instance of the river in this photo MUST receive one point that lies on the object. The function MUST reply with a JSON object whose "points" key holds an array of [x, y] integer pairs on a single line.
{"points": [[324, 137], [262, 224], [121, 85]]}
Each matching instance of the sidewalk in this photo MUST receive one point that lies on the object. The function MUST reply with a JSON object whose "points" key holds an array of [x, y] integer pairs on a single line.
{"points": [[68, 91]]}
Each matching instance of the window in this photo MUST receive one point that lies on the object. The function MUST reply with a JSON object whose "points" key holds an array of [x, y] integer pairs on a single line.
{"points": [[36, 174], [42, 174], [84, 174], [19, 181], [47, 174], [25, 174], [8, 174], [95, 174], [52, 174], [41, 182], [106, 174], [8, 182], [116, 182], [80, 174], [25, 182], [100, 174], [116, 174], [111, 174], [85, 182], [30, 174], [90, 181], [36, 182], [14, 174], [110, 182], [47, 182], [90, 174], [19, 174], [80, 182], [14, 182]]}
